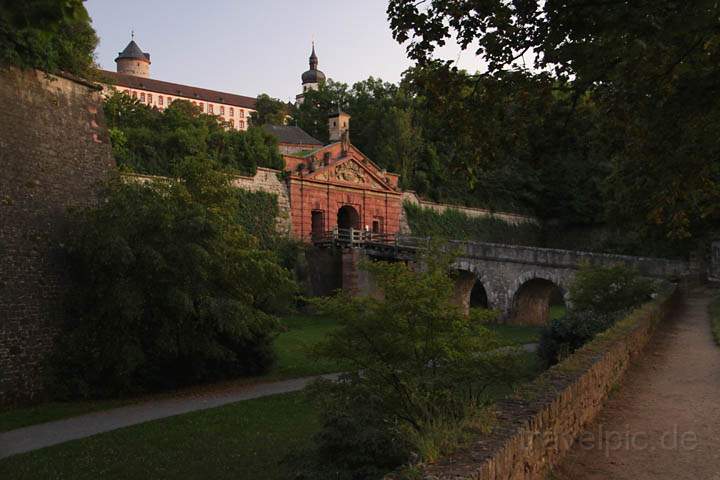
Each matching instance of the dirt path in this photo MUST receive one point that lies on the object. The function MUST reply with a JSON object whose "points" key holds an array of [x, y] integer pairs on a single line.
{"points": [[664, 421]]}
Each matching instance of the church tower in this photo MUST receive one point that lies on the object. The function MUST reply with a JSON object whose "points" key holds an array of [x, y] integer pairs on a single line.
{"points": [[133, 61], [312, 78]]}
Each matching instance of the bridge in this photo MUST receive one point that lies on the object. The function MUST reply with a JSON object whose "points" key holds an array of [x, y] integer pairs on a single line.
{"points": [[521, 281]]}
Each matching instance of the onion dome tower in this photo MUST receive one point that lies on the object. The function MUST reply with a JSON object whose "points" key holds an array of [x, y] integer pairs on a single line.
{"points": [[312, 78], [133, 61]]}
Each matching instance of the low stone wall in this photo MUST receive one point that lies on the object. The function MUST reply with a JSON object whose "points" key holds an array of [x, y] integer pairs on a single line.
{"points": [[412, 198], [537, 426]]}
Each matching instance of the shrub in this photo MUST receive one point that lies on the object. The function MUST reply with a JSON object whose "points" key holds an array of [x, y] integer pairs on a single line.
{"points": [[566, 334], [609, 289], [598, 297], [417, 368], [169, 289]]}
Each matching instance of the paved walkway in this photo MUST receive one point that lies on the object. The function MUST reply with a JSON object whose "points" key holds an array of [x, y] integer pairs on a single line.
{"points": [[52, 433], [664, 421]]}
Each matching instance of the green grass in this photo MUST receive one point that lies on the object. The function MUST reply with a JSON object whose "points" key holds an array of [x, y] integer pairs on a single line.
{"points": [[714, 311], [245, 440], [516, 334], [292, 347]]}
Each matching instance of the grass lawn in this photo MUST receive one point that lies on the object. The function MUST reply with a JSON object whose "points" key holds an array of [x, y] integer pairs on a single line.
{"points": [[292, 346], [714, 311], [516, 334], [245, 440]]}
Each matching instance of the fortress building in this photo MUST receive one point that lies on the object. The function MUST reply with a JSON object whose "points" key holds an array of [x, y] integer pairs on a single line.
{"points": [[133, 78], [326, 186]]}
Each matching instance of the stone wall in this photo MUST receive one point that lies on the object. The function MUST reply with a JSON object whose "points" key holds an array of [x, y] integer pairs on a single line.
{"points": [[54, 151], [538, 425], [413, 199], [267, 180]]}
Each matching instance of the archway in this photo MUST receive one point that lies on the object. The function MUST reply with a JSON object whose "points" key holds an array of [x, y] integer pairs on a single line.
{"points": [[348, 217], [478, 296], [469, 291], [532, 301]]}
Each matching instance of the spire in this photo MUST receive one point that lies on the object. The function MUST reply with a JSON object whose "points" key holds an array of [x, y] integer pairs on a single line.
{"points": [[313, 58]]}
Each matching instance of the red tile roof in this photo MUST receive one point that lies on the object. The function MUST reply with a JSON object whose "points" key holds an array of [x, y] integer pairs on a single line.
{"points": [[176, 90]]}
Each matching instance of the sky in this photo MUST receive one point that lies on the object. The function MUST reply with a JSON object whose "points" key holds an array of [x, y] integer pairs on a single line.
{"points": [[250, 47]]}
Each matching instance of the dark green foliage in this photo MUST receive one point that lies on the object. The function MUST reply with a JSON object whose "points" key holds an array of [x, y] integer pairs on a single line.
{"points": [[413, 362], [50, 35], [150, 141], [169, 289], [256, 213], [631, 132], [455, 225], [599, 296], [607, 290], [566, 334], [269, 110]]}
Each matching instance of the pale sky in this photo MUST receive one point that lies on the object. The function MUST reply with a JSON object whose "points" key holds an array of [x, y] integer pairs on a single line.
{"points": [[250, 47]]}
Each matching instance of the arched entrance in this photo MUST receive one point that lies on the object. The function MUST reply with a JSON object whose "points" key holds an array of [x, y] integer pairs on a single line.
{"points": [[348, 217], [532, 302], [478, 296]]}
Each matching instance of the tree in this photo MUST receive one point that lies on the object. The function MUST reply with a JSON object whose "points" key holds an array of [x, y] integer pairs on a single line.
{"points": [[651, 69], [414, 364], [168, 288], [269, 110], [312, 114], [48, 35], [151, 141]]}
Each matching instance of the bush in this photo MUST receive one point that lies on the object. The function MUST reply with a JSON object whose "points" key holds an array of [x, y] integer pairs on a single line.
{"points": [[48, 35], [566, 334], [417, 369], [598, 297], [169, 289], [609, 289]]}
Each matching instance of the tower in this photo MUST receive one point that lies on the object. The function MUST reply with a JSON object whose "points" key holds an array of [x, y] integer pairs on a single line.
{"points": [[133, 61], [312, 78], [339, 126]]}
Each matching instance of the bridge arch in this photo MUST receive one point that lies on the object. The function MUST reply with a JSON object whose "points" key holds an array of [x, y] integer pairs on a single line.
{"points": [[532, 295], [472, 287]]}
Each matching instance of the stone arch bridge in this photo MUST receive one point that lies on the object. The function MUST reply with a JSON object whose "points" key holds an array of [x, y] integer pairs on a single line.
{"points": [[520, 281]]}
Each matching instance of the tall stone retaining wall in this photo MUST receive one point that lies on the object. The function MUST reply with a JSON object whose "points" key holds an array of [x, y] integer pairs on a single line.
{"points": [[54, 150], [267, 180], [413, 199], [538, 425]]}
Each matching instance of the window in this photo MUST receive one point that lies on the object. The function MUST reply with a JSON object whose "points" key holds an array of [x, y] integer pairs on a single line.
{"points": [[317, 221], [149, 97], [210, 108], [232, 112], [377, 225], [242, 124], [126, 92], [222, 110], [202, 106], [134, 94], [233, 123], [142, 97], [160, 99], [242, 113]]}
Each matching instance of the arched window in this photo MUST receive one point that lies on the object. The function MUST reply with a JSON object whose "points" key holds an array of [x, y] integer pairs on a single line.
{"points": [[232, 112], [222, 110], [242, 124], [160, 99], [210, 108], [149, 97], [142, 96]]}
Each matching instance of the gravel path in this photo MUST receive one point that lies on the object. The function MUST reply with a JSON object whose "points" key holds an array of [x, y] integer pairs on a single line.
{"points": [[664, 421], [52, 433]]}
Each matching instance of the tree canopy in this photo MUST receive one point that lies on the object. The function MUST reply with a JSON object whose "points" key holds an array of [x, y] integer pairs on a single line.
{"points": [[151, 141], [47, 34], [648, 69]]}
